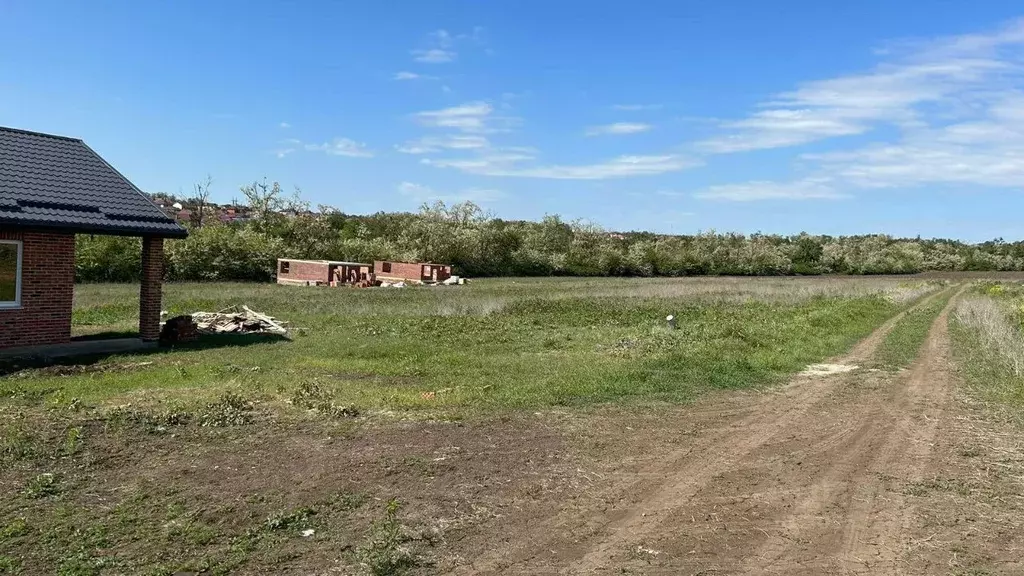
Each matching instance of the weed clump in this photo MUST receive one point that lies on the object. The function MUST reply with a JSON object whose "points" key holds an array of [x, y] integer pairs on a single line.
{"points": [[229, 410], [289, 520], [16, 444], [42, 486], [312, 396], [153, 422], [72, 441], [384, 553], [15, 529]]}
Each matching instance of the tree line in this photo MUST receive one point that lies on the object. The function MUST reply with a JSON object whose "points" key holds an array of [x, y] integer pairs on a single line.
{"points": [[479, 244]]}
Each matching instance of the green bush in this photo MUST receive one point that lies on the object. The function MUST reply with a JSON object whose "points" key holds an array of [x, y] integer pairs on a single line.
{"points": [[477, 244]]}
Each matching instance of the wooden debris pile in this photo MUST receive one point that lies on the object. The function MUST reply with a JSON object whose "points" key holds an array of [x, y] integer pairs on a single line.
{"points": [[238, 320]]}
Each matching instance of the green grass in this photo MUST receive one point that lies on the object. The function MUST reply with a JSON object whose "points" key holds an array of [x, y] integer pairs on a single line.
{"points": [[902, 344], [491, 345], [985, 364]]}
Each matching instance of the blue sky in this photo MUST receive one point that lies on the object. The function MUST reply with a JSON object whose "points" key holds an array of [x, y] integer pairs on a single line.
{"points": [[855, 117]]}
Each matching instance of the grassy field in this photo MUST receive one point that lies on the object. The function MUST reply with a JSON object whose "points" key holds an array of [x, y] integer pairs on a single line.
{"points": [[988, 342], [494, 344], [254, 456]]}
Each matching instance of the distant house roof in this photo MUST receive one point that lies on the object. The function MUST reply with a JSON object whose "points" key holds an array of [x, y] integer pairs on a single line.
{"points": [[57, 182]]}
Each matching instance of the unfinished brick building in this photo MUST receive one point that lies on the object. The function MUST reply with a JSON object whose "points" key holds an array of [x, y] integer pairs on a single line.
{"points": [[51, 188], [417, 272], [322, 272]]}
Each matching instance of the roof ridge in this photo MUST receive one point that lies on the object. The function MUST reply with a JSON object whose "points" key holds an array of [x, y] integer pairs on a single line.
{"points": [[33, 133]]}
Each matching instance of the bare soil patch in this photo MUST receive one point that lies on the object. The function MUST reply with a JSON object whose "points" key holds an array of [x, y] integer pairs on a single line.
{"points": [[193, 496]]}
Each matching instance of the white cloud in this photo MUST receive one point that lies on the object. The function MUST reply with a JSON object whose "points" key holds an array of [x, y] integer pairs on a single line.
{"points": [[778, 128], [636, 107], [511, 164], [433, 55], [945, 112], [282, 152], [284, 125], [440, 46], [421, 193], [342, 147], [407, 76], [472, 117], [475, 118], [618, 128], [438, 50], [430, 144], [808, 189], [924, 83]]}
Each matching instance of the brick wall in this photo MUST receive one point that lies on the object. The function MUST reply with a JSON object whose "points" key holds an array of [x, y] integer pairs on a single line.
{"points": [[299, 271], [47, 290], [409, 271], [150, 290]]}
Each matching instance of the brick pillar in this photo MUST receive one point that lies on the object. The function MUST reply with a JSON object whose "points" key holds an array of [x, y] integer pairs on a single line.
{"points": [[149, 294]]}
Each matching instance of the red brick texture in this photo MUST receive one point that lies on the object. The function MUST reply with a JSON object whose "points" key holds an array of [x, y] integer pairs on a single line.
{"points": [[149, 293], [321, 273], [47, 290], [303, 271], [412, 271]]}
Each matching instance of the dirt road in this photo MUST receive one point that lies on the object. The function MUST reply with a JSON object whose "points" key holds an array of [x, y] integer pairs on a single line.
{"points": [[853, 473]]}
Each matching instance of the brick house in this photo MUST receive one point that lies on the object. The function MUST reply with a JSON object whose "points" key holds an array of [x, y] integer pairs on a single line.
{"points": [[322, 272], [418, 272], [51, 188]]}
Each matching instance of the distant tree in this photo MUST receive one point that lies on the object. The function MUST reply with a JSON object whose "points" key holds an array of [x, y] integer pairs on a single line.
{"points": [[264, 200], [199, 201]]}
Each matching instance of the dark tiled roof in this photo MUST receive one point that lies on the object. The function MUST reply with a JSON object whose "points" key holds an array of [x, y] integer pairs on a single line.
{"points": [[57, 182]]}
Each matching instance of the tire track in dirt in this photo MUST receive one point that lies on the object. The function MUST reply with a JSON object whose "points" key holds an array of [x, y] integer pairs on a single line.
{"points": [[876, 525], [585, 541], [754, 432], [886, 423]]}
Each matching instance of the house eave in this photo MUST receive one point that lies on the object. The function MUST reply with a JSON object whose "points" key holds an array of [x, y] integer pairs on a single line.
{"points": [[104, 230]]}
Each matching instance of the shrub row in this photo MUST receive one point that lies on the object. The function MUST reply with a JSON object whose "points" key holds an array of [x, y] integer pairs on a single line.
{"points": [[480, 245]]}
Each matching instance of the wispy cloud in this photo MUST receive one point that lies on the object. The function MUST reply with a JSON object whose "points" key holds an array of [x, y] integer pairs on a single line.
{"points": [[421, 193], [434, 55], [341, 147], [942, 112], [636, 107], [932, 79], [405, 75], [476, 118], [764, 190], [438, 49], [430, 144], [287, 146], [440, 46], [618, 128], [284, 125], [514, 165], [780, 128], [471, 117]]}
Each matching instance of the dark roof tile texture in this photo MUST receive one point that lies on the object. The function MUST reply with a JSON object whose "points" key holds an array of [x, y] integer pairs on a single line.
{"points": [[57, 182]]}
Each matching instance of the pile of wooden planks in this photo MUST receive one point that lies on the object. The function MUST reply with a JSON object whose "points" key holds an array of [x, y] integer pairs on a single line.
{"points": [[238, 320]]}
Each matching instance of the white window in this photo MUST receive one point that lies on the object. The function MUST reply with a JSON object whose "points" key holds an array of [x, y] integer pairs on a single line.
{"points": [[10, 273]]}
